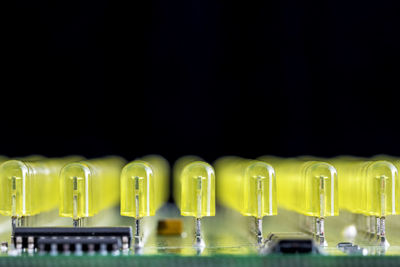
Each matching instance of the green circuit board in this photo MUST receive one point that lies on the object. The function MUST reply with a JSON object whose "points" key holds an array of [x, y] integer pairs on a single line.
{"points": [[229, 239]]}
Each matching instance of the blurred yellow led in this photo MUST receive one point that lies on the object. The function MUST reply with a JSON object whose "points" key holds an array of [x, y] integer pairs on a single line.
{"points": [[30, 187], [349, 175], [248, 186], [368, 187], [382, 184], [87, 187], [144, 186], [177, 172], [307, 187]]}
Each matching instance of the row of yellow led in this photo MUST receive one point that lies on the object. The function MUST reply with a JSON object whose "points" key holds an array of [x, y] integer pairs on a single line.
{"points": [[309, 187], [82, 188], [27, 187], [312, 187], [32, 185], [248, 186], [364, 186], [370, 187]]}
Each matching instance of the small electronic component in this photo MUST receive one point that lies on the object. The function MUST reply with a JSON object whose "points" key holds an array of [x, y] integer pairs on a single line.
{"points": [[291, 243], [170, 227], [69, 239], [247, 186], [87, 187], [29, 187], [197, 194], [144, 189], [350, 248], [78, 245]]}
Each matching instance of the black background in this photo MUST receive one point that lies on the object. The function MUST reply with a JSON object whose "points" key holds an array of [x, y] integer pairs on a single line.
{"points": [[205, 77]]}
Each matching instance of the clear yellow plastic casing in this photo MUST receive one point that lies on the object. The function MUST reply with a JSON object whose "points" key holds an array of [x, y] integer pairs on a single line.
{"points": [[368, 187], [350, 182], [307, 187], [87, 187], [392, 195], [137, 190], [321, 190], [248, 186], [162, 171], [144, 186], [382, 185], [30, 187], [177, 172], [197, 197]]}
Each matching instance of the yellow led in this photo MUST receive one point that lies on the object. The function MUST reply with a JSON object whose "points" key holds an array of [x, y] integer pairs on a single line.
{"points": [[347, 177], [307, 187], [179, 165], [321, 189], [144, 186], [87, 187], [137, 190], [248, 186], [30, 187], [197, 197], [368, 187], [382, 184], [162, 171]]}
